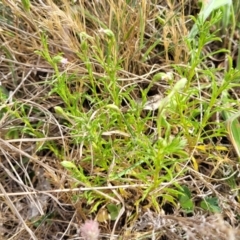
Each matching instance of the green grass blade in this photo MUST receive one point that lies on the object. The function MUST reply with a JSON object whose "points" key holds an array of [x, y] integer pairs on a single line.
{"points": [[232, 125]]}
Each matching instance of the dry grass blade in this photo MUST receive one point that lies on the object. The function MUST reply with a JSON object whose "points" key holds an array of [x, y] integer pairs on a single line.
{"points": [[9, 202]]}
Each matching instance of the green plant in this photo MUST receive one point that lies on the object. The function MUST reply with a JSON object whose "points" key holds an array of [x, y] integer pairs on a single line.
{"points": [[123, 111], [207, 8], [185, 200], [210, 204]]}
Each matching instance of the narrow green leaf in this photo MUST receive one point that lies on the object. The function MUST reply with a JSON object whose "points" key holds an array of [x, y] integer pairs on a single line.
{"points": [[26, 5], [69, 165], [232, 124]]}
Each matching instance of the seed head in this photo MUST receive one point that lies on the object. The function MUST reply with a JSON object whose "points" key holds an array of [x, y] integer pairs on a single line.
{"points": [[89, 230]]}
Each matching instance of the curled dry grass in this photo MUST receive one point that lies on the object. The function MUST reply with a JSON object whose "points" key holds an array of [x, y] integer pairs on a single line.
{"points": [[37, 194]]}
